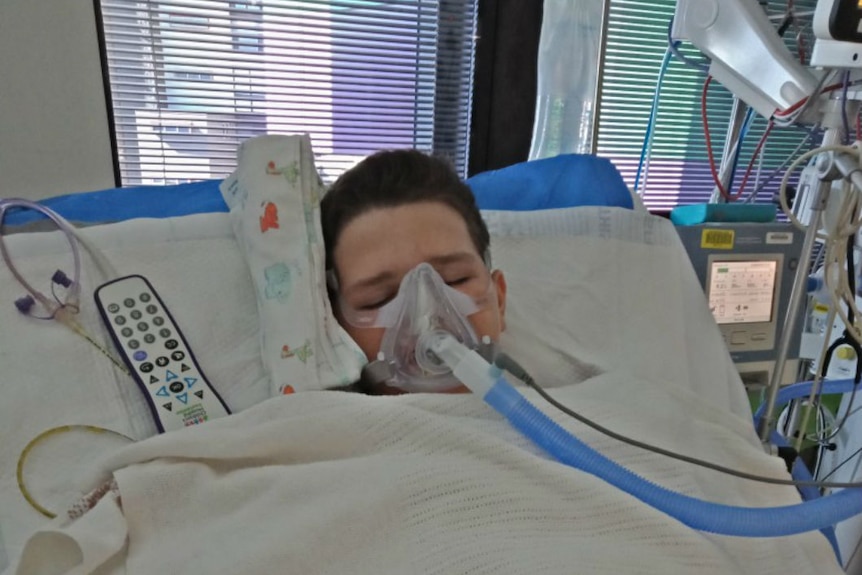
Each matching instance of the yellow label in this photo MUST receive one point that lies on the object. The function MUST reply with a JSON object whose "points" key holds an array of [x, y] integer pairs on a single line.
{"points": [[717, 239], [821, 308]]}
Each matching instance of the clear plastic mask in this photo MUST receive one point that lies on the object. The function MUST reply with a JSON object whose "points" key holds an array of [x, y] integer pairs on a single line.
{"points": [[423, 308]]}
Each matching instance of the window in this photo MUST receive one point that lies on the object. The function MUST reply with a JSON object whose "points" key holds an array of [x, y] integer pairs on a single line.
{"points": [[191, 79], [678, 169]]}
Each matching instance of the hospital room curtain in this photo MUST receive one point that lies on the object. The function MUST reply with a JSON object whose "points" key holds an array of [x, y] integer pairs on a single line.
{"points": [[635, 43], [191, 79]]}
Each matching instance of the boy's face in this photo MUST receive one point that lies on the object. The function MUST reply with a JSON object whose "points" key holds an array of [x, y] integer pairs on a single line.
{"points": [[379, 247]]}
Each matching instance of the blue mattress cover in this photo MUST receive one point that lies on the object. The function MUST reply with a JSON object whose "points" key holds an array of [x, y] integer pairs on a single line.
{"points": [[563, 181]]}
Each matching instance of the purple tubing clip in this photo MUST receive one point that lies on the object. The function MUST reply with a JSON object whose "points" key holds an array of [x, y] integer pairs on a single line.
{"points": [[61, 278], [24, 304]]}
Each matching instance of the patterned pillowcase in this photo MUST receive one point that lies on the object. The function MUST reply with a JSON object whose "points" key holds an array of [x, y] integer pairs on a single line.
{"points": [[274, 201]]}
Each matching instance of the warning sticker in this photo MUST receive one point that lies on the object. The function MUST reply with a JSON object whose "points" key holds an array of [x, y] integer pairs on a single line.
{"points": [[717, 239]]}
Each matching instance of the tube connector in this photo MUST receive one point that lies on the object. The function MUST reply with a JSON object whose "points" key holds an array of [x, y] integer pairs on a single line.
{"points": [[466, 365]]}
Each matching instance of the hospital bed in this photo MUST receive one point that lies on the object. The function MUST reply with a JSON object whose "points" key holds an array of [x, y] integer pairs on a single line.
{"points": [[604, 310]]}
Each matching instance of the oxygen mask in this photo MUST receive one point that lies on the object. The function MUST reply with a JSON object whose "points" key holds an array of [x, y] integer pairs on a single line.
{"points": [[424, 309]]}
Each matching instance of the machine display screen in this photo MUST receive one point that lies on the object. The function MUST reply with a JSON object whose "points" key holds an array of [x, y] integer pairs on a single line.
{"points": [[742, 291]]}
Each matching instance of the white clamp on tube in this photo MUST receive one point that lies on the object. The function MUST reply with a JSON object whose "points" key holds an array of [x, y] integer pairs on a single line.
{"points": [[467, 366]]}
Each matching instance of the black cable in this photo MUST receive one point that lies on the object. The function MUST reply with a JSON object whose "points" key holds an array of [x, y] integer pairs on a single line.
{"points": [[846, 339], [851, 275], [785, 24], [503, 361], [843, 463]]}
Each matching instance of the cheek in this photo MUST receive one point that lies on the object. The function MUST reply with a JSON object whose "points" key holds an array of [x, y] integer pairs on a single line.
{"points": [[368, 339], [486, 322]]}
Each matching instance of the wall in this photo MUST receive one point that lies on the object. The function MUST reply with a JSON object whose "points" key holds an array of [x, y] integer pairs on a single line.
{"points": [[54, 136]]}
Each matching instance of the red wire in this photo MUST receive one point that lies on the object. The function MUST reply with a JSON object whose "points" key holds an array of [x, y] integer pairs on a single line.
{"points": [[708, 140], [754, 158], [800, 103]]}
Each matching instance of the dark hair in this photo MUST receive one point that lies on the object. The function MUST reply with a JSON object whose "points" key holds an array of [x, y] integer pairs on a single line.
{"points": [[394, 178]]}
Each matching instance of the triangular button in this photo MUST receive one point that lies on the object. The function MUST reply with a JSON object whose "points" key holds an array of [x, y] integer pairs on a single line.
{"points": [[170, 376], [184, 368], [190, 381], [200, 393], [184, 397], [167, 406], [163, 392], [154, 379]]}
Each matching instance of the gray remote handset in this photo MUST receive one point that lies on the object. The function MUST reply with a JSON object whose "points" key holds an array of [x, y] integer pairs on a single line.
{"points": [[157, 354]]}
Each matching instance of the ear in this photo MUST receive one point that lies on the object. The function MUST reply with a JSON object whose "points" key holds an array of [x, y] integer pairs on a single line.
{"points": [[500, 286]]}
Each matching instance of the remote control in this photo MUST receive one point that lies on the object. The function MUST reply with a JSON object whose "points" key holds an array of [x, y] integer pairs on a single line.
{"points": [[157, 354]]}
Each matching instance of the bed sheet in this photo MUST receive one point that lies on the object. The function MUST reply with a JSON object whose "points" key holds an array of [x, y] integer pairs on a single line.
{"points": [[330, 482], [597, 265], [51, 377]]}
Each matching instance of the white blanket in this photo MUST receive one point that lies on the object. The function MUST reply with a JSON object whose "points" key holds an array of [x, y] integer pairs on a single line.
{"points": [[331, 482]]}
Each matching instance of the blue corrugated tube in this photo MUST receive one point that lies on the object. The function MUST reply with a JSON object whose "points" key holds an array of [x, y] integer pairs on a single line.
{"points": [[487, 382], [696, 513]]}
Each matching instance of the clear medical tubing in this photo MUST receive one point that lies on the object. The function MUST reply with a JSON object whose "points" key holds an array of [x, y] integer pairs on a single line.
{"points": [[696, 513], [568, 64]]}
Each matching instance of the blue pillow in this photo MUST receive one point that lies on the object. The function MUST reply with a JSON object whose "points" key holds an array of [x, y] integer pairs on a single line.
{"points": [[560, 182], [563, 181], [118, 204]]}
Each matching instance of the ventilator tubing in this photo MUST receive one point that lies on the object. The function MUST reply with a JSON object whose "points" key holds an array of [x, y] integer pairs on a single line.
{"points": [[696, 513], [486, 381]]}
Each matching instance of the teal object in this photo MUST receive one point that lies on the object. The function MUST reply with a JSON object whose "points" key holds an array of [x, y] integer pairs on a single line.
{"points": [[702, 213]]}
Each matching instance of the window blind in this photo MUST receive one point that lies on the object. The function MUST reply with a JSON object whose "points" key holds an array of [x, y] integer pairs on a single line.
{"points": [[679, 171], [191, 79]]}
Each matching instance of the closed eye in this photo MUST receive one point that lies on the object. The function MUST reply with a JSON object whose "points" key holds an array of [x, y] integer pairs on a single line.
{"points": [[457, 282], [376, 305]]}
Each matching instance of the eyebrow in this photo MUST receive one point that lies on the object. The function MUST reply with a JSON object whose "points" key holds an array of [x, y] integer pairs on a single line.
{"points": [[389, 276]]}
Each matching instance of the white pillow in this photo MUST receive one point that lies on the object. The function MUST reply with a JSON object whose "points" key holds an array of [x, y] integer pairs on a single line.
{"points": [[595, 289]]}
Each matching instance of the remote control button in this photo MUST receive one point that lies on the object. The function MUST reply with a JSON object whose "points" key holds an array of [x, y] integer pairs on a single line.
{"points": [[113, 308], [177, 387], [151, 309], [184, 397], [184, 368], [144, 297], [167, 406], [159, 321], [127, 332], [163, 392], [190, 381], [150, 338], [147, 368], [136, 314], [133, 344], [153, 379], [170, 376], [162, 361], [120, 320], [172, 344], [178, 356], [200, 394], [143, 326], [165, 332], [129, 302], [140, 355]]}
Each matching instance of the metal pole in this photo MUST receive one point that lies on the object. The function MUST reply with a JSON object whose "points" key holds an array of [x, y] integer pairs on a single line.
{"points": [[832, 136], [796, 295]]}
